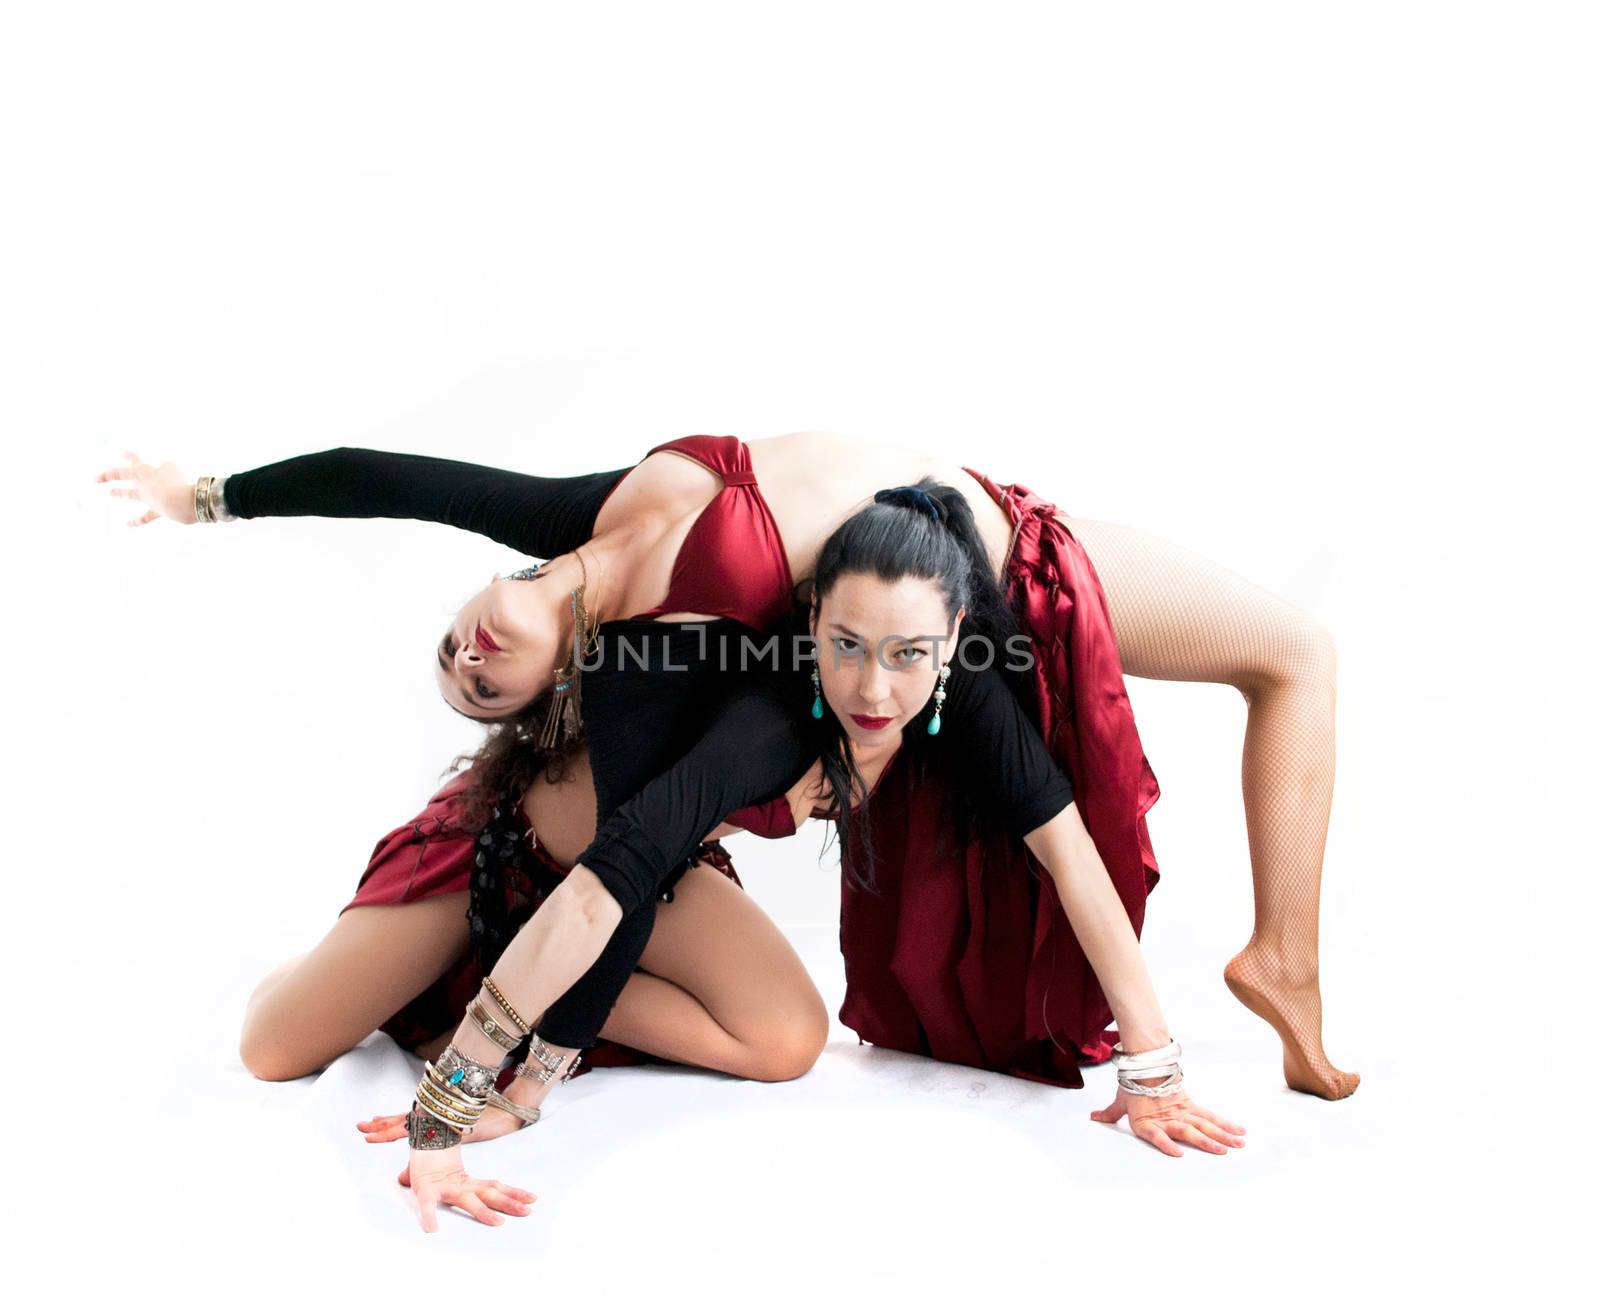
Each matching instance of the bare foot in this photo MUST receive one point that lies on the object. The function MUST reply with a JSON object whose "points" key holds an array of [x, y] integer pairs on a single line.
{"points": [[1290, 1002]]}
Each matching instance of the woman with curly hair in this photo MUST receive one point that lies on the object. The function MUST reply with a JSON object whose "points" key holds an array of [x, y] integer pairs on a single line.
{"points": [[723, 553]]}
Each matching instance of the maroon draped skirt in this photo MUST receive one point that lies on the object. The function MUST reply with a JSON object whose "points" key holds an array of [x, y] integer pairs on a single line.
{"points": [[432, 855], [965, 953]]}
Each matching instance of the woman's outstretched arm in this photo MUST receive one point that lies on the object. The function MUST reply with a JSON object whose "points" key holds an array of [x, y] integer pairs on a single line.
{"points": [[538, 516], [1101, 925]]}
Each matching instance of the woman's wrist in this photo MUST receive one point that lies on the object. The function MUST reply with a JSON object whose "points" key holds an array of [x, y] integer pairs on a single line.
{"points": [[1143, 1041], [451, 1097], [1156, 1071], [207, 503]]}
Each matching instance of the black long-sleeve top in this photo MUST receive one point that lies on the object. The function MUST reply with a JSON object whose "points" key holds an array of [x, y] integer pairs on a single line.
{"points": [[761, 742], [638, 719], [673, 751], [538, 516]]}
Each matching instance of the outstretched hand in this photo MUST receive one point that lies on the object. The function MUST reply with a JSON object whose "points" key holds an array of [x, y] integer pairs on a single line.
{"points": [[439, 1179], [1172, 1117], [161, 488]]}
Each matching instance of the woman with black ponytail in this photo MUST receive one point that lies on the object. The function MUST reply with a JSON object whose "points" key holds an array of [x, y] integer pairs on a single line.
{"points": [[961, 835], [688, 535]]}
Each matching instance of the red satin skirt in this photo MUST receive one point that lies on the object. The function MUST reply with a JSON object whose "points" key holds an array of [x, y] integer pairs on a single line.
{"points": [[965, 954], [432, 855]]}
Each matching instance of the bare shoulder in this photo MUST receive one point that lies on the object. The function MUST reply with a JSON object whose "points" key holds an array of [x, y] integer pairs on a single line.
{"points": [[663, 485]]}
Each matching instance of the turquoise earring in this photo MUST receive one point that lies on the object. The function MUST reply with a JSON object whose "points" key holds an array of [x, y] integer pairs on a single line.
{"points": [[937, 722], [816, 683]]}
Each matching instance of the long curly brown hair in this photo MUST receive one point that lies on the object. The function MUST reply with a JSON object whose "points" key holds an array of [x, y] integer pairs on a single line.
{"points": [[509, 759]]}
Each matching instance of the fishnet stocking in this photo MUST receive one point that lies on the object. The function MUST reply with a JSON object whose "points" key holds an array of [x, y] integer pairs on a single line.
{"points": [[1178, 616]]}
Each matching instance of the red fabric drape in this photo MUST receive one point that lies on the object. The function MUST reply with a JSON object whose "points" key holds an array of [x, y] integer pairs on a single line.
{"points": [[966, 954]]}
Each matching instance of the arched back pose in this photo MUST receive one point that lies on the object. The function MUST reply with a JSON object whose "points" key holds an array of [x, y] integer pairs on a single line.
{"points": [[946, 962], [805, 476], [891, 588]]}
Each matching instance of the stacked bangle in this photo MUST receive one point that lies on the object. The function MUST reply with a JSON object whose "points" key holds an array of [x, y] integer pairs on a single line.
{"points": [[451, 1097], [209, 503], [1157, 1063], [455, 1091], [511, 1013], [493, 1031]]}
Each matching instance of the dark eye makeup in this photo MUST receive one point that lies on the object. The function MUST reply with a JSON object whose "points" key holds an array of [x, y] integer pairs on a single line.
{"points": [[448, 647]]}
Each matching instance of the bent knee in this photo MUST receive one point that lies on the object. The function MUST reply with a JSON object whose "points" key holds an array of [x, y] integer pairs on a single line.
{"points": [[787, 1053], [1298, 656], [265, 1063], [267, 1057]]}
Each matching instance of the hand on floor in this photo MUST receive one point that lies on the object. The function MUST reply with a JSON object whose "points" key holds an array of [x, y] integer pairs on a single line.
{"points": [[439, 1179], [1174, 1116]]}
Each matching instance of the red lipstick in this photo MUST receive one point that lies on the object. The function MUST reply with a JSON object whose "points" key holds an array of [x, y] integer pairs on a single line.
{"points": [[871, 722], [484, 642]]}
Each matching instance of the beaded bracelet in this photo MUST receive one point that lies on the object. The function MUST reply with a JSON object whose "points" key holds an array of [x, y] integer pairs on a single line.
{"points": [[492, 1030]]}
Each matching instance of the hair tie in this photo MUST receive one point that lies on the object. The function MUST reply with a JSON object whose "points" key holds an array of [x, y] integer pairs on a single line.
{"points": [[912, 497]]}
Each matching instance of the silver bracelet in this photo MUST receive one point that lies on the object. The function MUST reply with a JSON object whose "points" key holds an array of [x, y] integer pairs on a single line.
{"points": [[1172, 1085], [210, 504], [1156, 1061], [475, 1079], [527, 1115], [428, 1133], [543, 1066], [449, 1104], [480, 1016]]}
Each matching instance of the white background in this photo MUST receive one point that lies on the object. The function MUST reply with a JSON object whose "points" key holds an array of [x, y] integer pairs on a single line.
{"points": [[1308, 289]]}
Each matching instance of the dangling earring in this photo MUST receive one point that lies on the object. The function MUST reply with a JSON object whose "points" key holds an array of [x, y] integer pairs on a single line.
{"points": [[565, 720], [937, 722], [816, 683]]}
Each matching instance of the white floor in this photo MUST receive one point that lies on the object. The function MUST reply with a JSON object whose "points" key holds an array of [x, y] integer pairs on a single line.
{"points": [[1305, 290], [876, 1170]]}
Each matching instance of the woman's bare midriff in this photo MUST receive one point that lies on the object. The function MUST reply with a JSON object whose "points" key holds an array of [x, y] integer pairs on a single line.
{"points": [[813, 481]]}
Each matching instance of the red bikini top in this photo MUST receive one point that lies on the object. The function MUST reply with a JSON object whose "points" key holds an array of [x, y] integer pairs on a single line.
{"points": [[732, 563]]}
